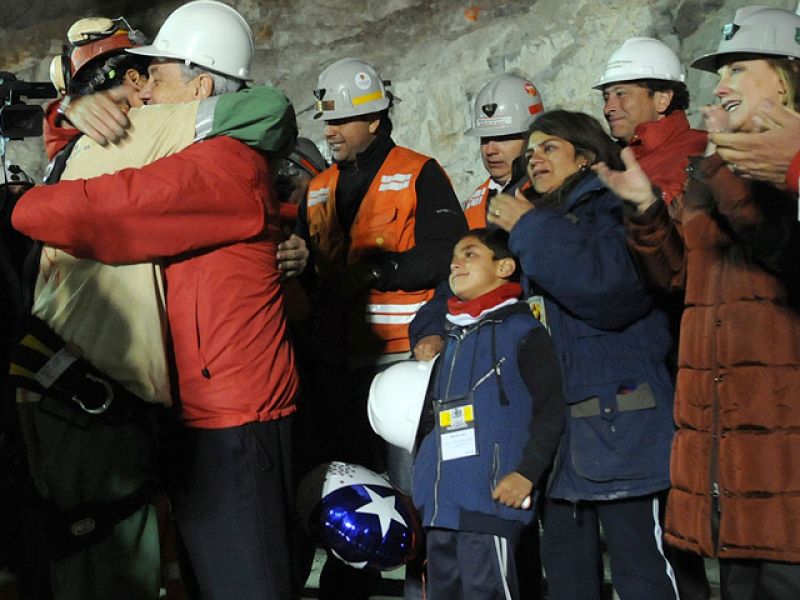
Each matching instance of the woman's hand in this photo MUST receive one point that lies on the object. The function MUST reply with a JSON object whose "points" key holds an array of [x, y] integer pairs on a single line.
{"points": [[505, 210], [512, 490], [716, 121], [765, 155], [632, 184]]}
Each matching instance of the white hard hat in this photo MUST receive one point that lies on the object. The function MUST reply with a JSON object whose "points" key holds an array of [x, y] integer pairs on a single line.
{"points": [[756, 30], [208, 34], [504, 106], [349, 88], [396, 398], [642, 58]]}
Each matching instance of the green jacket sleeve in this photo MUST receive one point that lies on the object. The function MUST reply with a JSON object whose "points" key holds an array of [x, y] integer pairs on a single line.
{"points": [[260, 116]]}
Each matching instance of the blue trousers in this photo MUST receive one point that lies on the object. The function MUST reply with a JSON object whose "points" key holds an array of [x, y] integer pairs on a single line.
{"points": [[572, 555], [470, 566]]}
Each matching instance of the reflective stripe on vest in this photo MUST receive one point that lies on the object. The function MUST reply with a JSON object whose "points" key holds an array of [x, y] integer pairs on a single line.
{"points": [[475, 206], [392, 314]]}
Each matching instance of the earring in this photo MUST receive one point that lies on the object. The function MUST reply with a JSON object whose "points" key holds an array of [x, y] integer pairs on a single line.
{"points": [[583, 168]]}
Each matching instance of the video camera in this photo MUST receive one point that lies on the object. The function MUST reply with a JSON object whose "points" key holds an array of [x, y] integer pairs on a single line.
{"points": [[17, 119]]}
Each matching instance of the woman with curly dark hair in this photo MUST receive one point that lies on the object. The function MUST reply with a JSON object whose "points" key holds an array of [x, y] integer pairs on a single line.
{"points": [[612, 466]]}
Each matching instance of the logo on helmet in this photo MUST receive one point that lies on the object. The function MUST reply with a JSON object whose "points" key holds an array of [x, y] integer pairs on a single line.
{"points": [[489, 109], [729, 30], [530, 88], [363, 81]]}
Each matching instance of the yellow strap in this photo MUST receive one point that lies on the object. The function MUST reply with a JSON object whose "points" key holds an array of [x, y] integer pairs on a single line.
{"points": [[21, 371], [31, 342]]}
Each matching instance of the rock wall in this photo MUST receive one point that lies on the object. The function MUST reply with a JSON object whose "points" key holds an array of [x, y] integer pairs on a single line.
{"points": [[438, 53]]}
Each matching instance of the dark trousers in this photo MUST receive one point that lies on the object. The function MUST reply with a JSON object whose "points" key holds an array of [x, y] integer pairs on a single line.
{"points": [[470, 566], [230, 495], [690, 572], [572, 557], [529, 563], [758, 580]]}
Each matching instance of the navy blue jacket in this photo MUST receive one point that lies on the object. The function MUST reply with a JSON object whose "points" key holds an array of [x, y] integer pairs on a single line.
{"points": [[611, 343], [506, 365]]}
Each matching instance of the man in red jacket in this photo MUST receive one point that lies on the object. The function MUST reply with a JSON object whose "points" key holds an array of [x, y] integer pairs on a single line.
{"points": [[644, 102], [645, 99], [209, 213]]}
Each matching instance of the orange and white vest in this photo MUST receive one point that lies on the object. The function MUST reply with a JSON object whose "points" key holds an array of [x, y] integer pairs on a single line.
{"points": [[475, 207], [384, 222]]}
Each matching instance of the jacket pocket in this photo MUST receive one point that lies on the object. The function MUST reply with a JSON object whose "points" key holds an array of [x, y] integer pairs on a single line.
{"points": [[254, 440], [201, 359], [376, 231], [615, 433]]}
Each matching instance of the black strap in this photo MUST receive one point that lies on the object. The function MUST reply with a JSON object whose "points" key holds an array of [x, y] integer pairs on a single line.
{"points": [[82, 392], [498, 378], [70, 531]]}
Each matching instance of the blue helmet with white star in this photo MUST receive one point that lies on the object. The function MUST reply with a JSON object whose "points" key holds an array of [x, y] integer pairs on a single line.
{"points": [[357, 515]]}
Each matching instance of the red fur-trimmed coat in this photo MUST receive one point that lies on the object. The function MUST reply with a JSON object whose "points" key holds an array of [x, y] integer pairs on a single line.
{"points": [[734, 245]]}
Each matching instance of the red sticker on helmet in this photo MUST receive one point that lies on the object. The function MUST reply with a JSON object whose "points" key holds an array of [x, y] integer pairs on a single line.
{"points": [[535, 108], [530, 88]]}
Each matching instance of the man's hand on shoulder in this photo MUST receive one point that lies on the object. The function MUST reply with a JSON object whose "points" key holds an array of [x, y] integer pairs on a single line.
{"points": [[292, 256], [101, 116]]}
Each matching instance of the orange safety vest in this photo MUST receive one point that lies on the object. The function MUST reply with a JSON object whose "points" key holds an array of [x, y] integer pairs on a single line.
{"points": [[385, 221], [475, 206]]}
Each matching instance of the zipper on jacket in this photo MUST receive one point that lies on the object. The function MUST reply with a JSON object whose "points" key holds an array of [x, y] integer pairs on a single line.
{"points": [[458, 337], [716, 506], [716, 513], [437, 483], [495, 370], [495, 465]]}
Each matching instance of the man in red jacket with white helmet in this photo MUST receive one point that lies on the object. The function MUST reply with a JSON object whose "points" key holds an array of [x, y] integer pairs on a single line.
{"points": [[210, 214]]}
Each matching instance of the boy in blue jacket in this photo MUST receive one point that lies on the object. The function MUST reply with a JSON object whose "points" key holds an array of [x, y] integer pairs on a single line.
{"points": [[498, 414]]}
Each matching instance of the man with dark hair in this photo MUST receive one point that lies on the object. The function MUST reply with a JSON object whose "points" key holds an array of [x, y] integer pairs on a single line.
{"points": [[644, 102], [381, 224], [645, 99]]}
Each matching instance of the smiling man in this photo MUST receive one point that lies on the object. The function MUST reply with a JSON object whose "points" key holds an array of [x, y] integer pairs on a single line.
{"points": [[645, 98], [381, 224]]}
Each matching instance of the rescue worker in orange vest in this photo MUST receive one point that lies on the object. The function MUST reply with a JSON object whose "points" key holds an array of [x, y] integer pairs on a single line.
{"points": [[381, 224], [504, 111]]}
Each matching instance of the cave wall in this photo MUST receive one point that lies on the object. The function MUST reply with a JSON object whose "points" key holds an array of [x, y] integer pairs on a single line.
{"points": [[438, 53]]}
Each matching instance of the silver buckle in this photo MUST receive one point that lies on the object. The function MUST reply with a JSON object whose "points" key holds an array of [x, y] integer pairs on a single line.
{"points": [[109, 397]]}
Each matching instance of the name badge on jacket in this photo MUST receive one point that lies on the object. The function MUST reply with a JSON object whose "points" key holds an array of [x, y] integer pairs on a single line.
{"points": [[457, 430]]}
